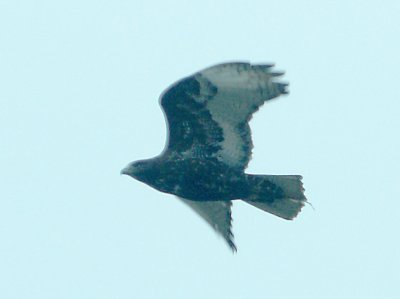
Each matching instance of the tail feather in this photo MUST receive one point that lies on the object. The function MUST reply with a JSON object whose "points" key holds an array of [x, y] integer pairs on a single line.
{"points": [[281, 195]]}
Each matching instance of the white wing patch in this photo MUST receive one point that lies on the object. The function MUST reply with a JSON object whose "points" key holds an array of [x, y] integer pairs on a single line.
{"points": [[241, 90], [232, 150]]}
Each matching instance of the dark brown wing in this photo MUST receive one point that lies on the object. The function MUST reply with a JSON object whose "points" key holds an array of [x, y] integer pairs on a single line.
{"points": [[191, 130]]}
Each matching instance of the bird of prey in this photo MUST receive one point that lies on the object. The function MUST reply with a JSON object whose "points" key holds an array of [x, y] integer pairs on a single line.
{"points": [[209, 146]]}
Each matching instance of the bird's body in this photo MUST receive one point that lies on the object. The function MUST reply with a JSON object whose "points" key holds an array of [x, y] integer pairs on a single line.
{"points": [[197, 179], [209, 146]]}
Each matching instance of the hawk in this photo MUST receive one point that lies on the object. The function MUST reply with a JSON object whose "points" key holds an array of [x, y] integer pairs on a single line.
{"points": [[209, 146]]}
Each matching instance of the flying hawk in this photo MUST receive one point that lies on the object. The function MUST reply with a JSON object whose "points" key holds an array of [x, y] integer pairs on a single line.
{"points": [[209, 146]]}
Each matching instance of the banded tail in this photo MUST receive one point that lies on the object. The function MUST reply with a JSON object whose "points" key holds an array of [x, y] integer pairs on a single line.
{"points": [[281, 195]]}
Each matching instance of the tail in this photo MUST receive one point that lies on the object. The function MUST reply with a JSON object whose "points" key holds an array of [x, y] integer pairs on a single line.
{"points": [[281, 195]]}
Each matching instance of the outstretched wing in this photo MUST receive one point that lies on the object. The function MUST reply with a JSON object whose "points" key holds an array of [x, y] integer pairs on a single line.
{"points": [[217, 214], [208, 112]]}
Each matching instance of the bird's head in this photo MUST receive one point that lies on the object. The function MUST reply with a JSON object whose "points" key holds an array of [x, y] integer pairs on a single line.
{"points": [[139, 170]]}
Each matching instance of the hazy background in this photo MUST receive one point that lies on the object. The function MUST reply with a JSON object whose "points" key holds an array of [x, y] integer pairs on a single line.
{"points": [[79, 87]]}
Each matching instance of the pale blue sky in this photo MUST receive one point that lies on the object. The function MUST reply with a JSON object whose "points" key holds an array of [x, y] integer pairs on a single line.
{"points": [[79, 91]]}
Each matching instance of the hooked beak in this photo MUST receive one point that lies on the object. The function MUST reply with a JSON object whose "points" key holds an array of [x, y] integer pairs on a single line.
{"points": [[125, 170]]}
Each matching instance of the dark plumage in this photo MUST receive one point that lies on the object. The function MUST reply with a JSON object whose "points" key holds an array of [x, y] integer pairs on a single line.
{"points": [[209, 146]]}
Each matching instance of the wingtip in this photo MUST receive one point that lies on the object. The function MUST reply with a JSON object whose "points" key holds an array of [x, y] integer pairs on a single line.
{"points": [[283, 88], [266, 67], [232, 246]]}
